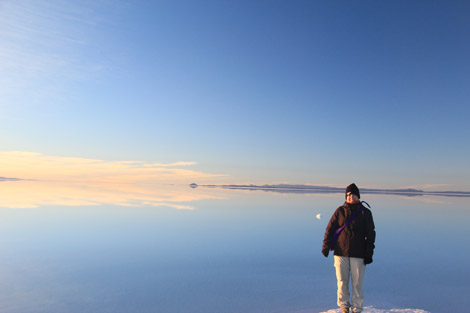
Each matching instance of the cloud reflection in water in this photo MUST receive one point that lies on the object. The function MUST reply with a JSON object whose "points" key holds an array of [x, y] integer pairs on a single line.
{"points": [[31, 194]]}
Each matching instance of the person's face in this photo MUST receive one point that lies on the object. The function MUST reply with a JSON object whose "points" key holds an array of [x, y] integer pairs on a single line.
{"points": [[350, 198]]}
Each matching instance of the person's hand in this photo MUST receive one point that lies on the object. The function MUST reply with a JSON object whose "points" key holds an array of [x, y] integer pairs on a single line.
{"points": [[325, 252], [367, 261]]}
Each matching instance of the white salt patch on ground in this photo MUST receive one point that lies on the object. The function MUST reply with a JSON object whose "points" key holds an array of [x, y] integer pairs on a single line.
{"points": [[370, 309]]}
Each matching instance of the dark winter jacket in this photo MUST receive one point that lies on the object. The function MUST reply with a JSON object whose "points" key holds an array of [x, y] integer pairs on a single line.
{"points": [[357, 240]]}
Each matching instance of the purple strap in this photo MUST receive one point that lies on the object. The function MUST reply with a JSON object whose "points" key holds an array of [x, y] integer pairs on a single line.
{"points": [[348, 222]]}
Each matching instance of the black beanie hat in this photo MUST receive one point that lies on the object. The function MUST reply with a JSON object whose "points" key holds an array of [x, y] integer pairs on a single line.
{"points": [[354, 190]]}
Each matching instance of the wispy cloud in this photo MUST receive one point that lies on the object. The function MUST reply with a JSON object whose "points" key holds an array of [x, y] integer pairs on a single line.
{"points": [[32, 165], [43, 46], [171, 164]]}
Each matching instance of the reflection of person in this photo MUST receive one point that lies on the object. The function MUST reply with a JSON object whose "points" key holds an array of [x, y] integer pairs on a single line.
{"points": [[351, 234]]}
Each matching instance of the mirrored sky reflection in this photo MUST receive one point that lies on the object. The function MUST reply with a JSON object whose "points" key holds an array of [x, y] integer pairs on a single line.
{"points": [[130, 248], [30, 194]]}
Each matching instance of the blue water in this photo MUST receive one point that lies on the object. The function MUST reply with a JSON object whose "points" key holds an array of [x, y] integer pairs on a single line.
{"points": [[236, 251]]}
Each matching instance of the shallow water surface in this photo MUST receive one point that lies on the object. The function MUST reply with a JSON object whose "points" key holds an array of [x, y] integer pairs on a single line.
{"points": [[177, 249]]}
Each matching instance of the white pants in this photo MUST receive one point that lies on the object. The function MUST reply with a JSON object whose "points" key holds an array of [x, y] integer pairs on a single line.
{"points": [[354, 268]]}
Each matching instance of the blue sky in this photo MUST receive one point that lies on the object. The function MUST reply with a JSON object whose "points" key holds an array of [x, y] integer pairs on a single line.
{"points": [[320, 92]]}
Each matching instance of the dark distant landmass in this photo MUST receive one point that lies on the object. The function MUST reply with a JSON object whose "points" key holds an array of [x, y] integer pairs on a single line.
{"points": [[9, 179], [308, 189]]}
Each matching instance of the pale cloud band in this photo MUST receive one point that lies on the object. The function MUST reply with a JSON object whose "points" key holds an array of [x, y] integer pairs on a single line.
{"points": [[37, 166], [55, 180]]}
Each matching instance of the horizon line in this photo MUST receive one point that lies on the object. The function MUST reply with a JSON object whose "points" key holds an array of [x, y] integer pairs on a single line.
{"points": [[308, 189]]}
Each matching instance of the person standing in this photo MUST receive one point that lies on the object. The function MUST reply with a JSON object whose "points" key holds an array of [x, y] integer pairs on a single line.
{"points": [[351, 235]]}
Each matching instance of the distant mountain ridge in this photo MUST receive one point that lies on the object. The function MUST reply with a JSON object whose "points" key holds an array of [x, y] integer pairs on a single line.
{"points": [[9, 179], [286, 188]]}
